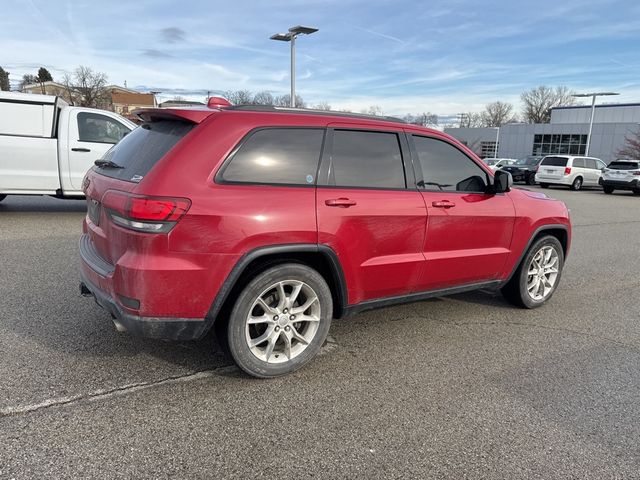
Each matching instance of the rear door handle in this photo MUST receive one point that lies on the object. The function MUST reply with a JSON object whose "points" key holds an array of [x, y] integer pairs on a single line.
{"points": [[340, 202], [443, 204], [80, 150]]}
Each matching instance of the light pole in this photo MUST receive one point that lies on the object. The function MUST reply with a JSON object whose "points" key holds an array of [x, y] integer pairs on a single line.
{"points": [[497, 140], [593, 109], [291, 37]]}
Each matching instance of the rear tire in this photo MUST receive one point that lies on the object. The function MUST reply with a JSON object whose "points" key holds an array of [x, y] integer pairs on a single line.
{"points": [[577, 184], [608, 190], [636, 191], [538, 275], [280, 320], [544, 185]]}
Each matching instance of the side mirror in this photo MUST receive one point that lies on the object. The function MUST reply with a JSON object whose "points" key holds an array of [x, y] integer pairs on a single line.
{"points": [[502, 181]]}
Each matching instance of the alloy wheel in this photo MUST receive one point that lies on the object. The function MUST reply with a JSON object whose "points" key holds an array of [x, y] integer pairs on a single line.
{"points": [[282, 321], [542, 273]]}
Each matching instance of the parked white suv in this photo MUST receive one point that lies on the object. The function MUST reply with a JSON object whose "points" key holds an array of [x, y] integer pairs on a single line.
{"points": [[496, 163], [574, 172], [621, 175]]}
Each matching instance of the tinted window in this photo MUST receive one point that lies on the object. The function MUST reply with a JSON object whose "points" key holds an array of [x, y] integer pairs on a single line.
{"points": [[591, 163], [366, 159], [578, 162], [618, 165], [139, 151], [93, 127], [277, 155], [445, 168], [555, 162]]}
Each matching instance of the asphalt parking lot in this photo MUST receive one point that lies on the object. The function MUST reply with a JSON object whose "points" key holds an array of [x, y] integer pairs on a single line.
{"points": [[458, 387]]}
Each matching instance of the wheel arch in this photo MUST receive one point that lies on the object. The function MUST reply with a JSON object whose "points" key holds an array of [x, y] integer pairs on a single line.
{"points": [[321, 258], [559, 231]]}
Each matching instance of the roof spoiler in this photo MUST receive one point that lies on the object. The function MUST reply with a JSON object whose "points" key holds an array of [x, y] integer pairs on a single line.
{"points": [[185, 115]]}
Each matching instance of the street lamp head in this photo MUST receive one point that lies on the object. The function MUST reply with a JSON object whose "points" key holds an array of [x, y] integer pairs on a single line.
{"points": [[299, 29], [283, 37], [595, 94]]}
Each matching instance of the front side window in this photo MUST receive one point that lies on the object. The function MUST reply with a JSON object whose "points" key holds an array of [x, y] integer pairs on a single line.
{"points": [[96, 128], [366, 159], [445, 168], [287, 156]]}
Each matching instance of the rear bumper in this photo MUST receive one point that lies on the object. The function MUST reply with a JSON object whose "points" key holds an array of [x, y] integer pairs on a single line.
{"points": [[621, 185], [150, 327], [553, 180]]}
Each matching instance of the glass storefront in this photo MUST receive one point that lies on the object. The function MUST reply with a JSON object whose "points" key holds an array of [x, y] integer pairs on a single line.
{"points": [[559, 144]]}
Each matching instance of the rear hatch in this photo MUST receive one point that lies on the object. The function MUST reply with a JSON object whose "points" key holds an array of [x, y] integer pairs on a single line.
{"points": [[622, 170], [553, 167], [117, 218]]}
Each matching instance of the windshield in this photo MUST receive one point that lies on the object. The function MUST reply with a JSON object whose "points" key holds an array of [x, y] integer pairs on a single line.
{"points": [[527, 161]]}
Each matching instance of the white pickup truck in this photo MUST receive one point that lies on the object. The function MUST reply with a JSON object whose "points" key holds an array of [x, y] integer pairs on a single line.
{"points": [[47, 146]]}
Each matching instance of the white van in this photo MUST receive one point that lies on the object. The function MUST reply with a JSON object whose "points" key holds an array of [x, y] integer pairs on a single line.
{"points": [[47, 146], [574, 172]]}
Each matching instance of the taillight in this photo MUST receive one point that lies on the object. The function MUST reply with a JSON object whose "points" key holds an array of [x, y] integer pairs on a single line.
{"points": [[143, 213], [567, 170]]}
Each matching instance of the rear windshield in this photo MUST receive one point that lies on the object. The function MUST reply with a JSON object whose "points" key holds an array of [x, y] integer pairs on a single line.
{"points": [[554, 161], [140, 150], [623, 165]]}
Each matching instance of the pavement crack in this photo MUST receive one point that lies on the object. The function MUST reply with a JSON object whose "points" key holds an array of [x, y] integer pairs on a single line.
{"points": [[106, 393]]}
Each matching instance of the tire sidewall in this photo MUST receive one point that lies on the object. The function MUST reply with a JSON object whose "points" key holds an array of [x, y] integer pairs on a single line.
{"points": [[522, 281], [238, 347], [576, 184]]}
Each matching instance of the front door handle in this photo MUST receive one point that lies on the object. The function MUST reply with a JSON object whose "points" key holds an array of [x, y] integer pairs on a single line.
{"points": [[80, 150], [443, 204], [340, 202]]}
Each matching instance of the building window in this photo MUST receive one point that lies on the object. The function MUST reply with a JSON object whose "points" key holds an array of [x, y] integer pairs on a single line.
{"points": [[488, 150], [562, 144]]}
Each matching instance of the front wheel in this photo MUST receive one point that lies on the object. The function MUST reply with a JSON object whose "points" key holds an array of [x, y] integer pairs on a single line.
{"points": [[607, 189], [530, 180], [280, 320], [538, 275]]}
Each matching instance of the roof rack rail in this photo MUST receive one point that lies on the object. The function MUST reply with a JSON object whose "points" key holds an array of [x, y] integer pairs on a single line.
{"points": [[311, 111]]}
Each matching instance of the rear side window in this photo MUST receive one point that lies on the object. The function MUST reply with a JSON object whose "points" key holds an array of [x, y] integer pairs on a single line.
{"points": [[624, 165], [366, 159], [287, 156], [578, 163], [445, 168], [591, 163], [141, 149], [557, 162]]}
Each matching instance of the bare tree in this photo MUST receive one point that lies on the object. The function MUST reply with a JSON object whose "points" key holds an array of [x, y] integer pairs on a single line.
{"points": [[373, 110], [497, 114], [631, 147], [322, 106], [263, 98], [471, 120], [285, 101], [427, 119], [27, 79], [239, 97], [87, 88], [537, 102]]}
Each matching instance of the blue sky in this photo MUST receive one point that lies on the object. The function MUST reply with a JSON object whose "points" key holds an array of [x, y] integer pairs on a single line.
{"points": [[443, 57]]}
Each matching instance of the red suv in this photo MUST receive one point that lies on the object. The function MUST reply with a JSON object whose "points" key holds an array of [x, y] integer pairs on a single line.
{"points": [[271, 222]]}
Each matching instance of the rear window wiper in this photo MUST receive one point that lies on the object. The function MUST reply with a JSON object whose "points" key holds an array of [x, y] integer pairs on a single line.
{"points": [[107, 164]]}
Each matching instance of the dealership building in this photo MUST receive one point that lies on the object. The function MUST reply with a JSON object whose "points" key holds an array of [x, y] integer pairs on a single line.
{"points": [[567, 133]]}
